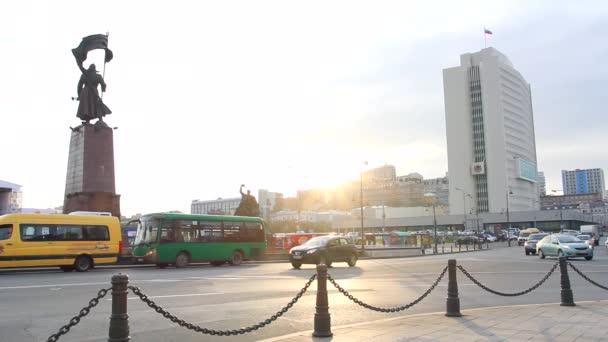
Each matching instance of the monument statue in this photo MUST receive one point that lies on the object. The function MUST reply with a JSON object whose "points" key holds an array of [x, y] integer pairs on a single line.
{"points": [[248, 206], [90, 183], [91, 105]]}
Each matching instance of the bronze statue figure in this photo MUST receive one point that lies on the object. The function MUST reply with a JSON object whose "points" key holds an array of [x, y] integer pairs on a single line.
{"points": [[91, 105], [248, 206]]}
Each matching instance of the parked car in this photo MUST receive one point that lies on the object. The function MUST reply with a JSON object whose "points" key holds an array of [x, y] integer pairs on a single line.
{"points": [[466, 240], [530, 244], [606, 243], [324, 250], [491, 238], [563, 245]]}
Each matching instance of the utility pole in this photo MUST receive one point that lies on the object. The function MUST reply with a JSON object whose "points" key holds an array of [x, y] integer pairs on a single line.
{"points": [[508, 221]]}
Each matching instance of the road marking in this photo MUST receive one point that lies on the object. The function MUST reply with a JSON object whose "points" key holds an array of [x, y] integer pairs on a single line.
{"points": [[180, 295], [50, 285]]}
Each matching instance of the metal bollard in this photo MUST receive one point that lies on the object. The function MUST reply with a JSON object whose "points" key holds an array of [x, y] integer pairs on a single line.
{"points": [[442, 249], [459, 247], [452, 302], [452, 249], [566, 292], [119, 320], [487, 244], [322, 317]]}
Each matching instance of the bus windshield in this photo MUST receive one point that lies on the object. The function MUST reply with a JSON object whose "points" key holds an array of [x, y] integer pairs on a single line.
{"points": [[147, 231]]}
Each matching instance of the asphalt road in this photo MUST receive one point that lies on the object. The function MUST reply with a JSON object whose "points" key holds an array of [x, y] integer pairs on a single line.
{"points": [[36, 303]]}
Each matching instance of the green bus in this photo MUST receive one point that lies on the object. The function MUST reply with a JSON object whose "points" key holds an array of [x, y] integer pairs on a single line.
{"points": [[179, 239]]}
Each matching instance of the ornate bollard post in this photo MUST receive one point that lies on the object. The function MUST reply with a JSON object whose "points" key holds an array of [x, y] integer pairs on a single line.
{"points": [[119, 320], [487, 244], [566, 292], [452, 302], [452, 248], [322, 317]]}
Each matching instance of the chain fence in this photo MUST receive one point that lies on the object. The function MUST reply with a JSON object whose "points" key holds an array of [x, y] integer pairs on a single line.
{"points": [[206, 331], [76, 319], [509, 294], [586, 278], [396, 309]]}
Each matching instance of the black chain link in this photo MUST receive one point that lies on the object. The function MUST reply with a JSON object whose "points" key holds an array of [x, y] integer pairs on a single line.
{"points": [[587, 278], [509, 294], [206, 331], [396, 309], [76, 319]]}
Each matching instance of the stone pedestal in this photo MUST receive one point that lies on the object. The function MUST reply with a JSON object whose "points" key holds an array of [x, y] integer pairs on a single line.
{"points": [[90, 183]]}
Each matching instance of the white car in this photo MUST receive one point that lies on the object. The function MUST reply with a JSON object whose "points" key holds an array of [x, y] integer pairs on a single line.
{"points": [[491, 238], [606, 243]]}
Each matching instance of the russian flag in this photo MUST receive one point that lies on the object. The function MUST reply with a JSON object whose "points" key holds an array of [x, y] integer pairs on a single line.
{"points": [[486, 31]]}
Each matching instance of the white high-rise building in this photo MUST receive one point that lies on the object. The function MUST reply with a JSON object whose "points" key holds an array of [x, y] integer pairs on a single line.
{"points": [[490, 135]]}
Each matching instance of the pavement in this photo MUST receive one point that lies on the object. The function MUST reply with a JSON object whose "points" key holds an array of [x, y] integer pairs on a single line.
{"points": [[587, 321]]}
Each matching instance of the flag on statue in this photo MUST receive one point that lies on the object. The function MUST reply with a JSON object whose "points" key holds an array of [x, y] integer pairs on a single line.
{"points": [[486, 31], [94, 42]]}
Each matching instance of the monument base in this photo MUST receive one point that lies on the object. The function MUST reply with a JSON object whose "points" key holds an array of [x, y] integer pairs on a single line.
{"points": [[92, 201], [90, 184]]}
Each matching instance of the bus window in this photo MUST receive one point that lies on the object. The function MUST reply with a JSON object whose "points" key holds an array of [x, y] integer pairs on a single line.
{"points": [[209, 231], [67, 233], [5, 231], [35, 232], [232, 231], [253, 232]]}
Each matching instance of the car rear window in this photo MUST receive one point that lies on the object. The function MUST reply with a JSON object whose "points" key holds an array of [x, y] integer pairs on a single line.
{"points": [[6, 230]]}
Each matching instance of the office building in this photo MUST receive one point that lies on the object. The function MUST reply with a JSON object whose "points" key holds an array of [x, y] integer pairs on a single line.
{"points": [[583, 181], [10, 198], [542, 185], [220, 206], [490, 135], [269, 201]]}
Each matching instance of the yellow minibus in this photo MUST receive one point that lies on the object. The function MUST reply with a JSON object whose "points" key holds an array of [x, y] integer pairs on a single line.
{"points": [[72, 242]]}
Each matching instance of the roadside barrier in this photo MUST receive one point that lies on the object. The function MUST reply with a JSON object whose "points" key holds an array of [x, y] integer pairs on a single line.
{"points": [[119, 319]]}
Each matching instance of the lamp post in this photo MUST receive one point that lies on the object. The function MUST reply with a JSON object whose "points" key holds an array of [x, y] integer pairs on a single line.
{"points": [[561, 216], [509, 192], [433, 203], [361, 198], [464, 206]]}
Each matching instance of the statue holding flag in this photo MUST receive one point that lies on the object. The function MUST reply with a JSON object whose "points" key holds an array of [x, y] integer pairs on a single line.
{"points": [[91, 105]]}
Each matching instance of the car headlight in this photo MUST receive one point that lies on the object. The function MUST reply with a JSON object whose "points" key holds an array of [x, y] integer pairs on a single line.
{"points": [[311, 251], [566, 247]]}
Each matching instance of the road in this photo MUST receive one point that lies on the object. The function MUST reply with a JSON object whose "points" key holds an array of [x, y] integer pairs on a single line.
{"points": [[36, 303]]}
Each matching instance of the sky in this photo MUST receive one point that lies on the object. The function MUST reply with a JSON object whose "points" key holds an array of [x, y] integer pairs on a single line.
{"points": [[284, 95]]}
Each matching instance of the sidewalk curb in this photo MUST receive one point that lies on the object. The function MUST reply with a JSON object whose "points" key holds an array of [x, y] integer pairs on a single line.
{"points": [[309, 332]]}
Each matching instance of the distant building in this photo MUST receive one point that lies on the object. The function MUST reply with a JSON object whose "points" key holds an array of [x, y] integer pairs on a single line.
{"points": [[583, 181], [220, 206], [11, 198], [440, 187], [332, 216], [490, 134], [269, 202], [569, 200], [386, 173], [542, 185]]}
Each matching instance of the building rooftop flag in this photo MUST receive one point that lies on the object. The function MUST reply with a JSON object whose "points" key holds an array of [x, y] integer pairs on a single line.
{"points": [[486, 31]]}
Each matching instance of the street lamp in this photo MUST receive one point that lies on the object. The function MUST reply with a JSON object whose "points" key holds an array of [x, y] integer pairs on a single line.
{"points": [[561, 216], [361, 198], [509, 192], [464, 206], [433, 203]]}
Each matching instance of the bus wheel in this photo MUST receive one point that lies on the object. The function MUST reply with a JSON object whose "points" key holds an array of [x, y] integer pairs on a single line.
{"points": [[182, 260], [82, 263], [67, 268], [237, 258]]}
